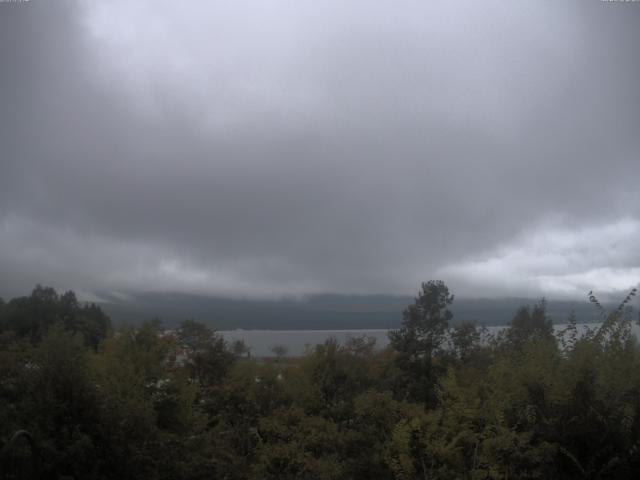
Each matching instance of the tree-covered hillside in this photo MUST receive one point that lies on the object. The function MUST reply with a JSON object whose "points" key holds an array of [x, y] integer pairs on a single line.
{"points": [[81, 400], [317, 312]]}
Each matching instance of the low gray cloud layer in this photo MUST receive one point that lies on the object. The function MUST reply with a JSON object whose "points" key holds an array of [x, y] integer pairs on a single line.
{"points": [[261, 148]]}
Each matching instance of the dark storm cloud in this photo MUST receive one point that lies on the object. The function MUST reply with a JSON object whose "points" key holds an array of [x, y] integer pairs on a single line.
{"points": [[297, 147]]}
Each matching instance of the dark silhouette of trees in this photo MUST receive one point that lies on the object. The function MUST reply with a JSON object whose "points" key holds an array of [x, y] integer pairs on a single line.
{"points": [[420, 340], [522, 404], [279, 351], [207, 356], [530, 324], [31, 317], [465, 340]]}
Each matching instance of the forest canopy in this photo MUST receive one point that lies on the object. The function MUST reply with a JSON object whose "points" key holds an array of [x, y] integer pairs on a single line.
{"points": [[81, 399]]}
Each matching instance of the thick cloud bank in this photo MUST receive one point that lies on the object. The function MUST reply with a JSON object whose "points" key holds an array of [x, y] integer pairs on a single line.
{"points": [[292, 147]]}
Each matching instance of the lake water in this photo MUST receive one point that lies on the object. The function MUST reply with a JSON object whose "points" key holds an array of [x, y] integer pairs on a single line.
{"points": [[296, 341]]}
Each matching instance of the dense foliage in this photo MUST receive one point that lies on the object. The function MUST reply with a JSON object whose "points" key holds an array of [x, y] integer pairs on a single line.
{"points": [[441, 402]]}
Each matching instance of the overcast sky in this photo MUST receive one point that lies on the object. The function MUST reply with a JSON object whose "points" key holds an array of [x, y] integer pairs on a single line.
{"points": [[304, 146]]}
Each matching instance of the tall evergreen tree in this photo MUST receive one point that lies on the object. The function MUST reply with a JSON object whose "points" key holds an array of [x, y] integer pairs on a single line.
{"points": [[420, 339]]}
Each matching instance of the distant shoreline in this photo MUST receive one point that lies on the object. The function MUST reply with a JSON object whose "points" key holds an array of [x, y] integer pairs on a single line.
{"points": [[260, 341]]}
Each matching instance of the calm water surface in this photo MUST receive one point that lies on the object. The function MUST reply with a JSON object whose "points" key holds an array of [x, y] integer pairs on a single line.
{"points": [[296, 341]]}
